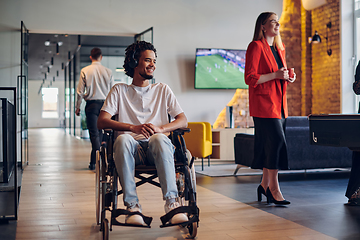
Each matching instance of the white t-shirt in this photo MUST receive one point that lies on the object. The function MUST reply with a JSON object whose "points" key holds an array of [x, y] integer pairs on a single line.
{"points": [[140, 105]]}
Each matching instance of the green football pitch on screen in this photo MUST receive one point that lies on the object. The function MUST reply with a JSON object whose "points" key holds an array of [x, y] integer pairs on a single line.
{"points": [[214, 71]]}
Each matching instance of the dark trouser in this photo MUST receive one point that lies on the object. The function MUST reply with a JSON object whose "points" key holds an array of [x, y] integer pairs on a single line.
{"points": [[354, 181], [92, 111]]}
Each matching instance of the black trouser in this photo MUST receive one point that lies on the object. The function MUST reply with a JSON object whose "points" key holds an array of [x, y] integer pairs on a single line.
{"points": [[270, 150], [354, 181], [92, 111]]}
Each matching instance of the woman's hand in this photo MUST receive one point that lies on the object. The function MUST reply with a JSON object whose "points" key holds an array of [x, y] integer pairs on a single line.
{"points": [[282, 73], [292, 79]]}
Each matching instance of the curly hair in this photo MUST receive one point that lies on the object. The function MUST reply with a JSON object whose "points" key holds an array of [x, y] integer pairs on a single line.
{"points": [[138, 48]]}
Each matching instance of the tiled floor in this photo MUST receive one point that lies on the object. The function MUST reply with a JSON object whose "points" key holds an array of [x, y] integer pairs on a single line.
{"points": [[58, 201]]}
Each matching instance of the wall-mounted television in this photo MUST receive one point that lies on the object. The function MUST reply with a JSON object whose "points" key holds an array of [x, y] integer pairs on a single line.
{"points": [[217, 68]]}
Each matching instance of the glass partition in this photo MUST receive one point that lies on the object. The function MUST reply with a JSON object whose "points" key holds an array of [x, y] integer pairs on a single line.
{"points": [[22, 85], [357, 41], [8, 154]]}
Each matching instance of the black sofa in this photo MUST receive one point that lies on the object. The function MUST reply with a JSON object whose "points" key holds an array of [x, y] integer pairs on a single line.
{"points": [[301, 154]]}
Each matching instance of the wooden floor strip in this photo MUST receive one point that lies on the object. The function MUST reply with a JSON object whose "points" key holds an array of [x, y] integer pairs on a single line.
{"points": [[58, 202]]}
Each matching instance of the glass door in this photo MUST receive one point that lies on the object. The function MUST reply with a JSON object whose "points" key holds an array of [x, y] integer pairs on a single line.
{"points": [[146, 35]]}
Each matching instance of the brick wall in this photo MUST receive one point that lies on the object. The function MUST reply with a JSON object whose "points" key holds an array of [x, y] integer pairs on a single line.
{"points": [[326, 69], [240, 103], [306, 63], [317, 88], [290, 30]]}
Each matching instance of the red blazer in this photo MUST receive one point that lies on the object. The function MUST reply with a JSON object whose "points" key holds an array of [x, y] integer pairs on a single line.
{"points": [[265, 98]]}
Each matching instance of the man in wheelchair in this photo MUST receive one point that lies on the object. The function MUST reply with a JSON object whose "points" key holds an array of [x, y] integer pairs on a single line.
{"points": [[142, 123]]}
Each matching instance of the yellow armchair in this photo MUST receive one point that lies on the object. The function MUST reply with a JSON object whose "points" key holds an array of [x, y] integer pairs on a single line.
{"points": [[199, 140]]}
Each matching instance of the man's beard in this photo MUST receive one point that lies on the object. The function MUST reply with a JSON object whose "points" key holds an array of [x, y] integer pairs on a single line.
{"points": [[146, 76]]}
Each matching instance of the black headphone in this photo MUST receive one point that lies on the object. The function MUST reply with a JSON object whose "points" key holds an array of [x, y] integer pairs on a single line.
{"points": [[133, 62]]}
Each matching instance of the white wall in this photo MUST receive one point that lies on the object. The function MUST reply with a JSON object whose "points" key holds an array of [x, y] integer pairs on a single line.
{"points": [[348, 102], [179, 28], [35, 105]]}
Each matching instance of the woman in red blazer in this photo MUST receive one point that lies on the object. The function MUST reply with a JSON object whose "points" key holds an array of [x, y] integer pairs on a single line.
{"points": [[267, 76]]}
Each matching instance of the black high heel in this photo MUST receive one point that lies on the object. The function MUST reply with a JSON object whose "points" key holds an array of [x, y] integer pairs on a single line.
{"points": [[260, 190], [271, 199]]}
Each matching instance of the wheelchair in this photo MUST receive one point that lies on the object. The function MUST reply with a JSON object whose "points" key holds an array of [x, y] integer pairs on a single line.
{"points": [[107, 182]]}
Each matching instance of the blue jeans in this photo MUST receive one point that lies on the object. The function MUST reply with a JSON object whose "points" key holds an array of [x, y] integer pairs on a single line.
{"points": [[158, 151]]}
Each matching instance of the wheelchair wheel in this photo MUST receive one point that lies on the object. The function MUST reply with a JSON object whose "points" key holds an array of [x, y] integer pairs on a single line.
{"points": [[106, 229], [98, 189], [192, 227], [100, 186]]}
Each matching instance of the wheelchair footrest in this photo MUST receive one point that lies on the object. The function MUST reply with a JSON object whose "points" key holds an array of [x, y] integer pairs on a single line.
{"points": [[117, 212], [191, 210]]}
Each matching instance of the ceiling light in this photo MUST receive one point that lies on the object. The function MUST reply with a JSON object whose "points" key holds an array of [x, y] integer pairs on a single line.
{"points": [[60, 43], [312, 4], [47, 43]]}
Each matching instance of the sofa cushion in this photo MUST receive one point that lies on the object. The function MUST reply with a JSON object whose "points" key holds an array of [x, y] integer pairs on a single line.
{"points": [[297, 121], [301, 154], [244, 148]]}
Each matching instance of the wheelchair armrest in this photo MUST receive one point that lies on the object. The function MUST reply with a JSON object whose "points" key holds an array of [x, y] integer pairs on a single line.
{"points": [[181, 131], [108, 130]]}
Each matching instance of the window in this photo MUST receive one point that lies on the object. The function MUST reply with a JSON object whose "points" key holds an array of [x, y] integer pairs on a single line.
{"points": [[50, 102]]}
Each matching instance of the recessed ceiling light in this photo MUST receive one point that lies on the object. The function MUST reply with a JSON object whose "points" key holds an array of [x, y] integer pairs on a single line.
{"points": [[60, 44], [47, 43]]}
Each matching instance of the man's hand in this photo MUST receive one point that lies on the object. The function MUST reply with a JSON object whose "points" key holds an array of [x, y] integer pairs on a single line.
{"points": [[155, 129], [143, 129], [77, 112]]}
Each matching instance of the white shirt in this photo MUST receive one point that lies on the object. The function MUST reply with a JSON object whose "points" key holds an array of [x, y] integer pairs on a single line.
{"points": [[140, 105], [95, 83]]}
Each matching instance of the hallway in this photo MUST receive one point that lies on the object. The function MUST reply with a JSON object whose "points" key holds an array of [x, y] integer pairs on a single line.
{"points": [[57, 201]]}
